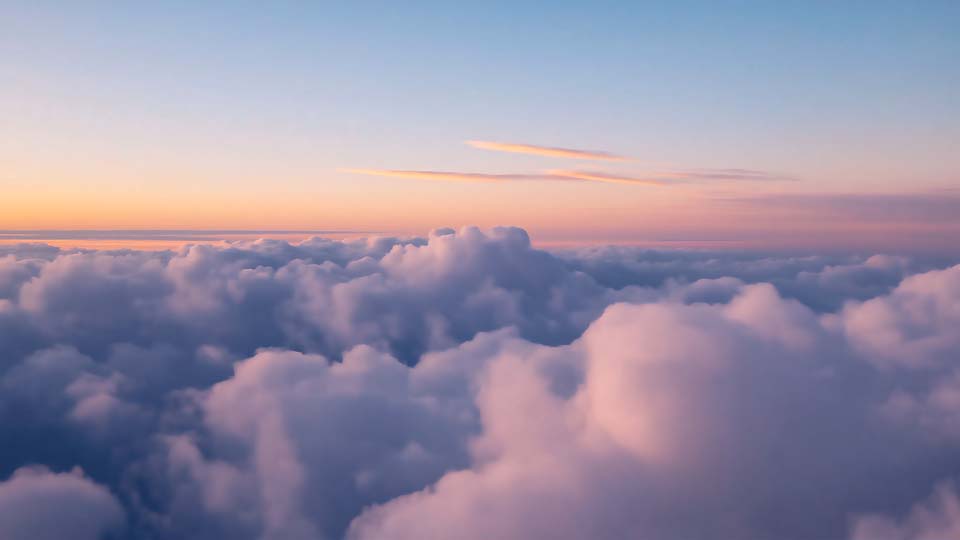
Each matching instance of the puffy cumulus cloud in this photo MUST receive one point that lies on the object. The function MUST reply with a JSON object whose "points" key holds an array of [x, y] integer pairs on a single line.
{"points": [[668, 421], [37, 504], [321, 296], [915, 325], [933, 519], [313, 442], [434, 296], [665, 420], [14, 272], [823, 282], [469, 385]]}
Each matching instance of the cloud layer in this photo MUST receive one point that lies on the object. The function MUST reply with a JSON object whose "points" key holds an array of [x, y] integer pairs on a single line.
{"points": [[469, 385]]}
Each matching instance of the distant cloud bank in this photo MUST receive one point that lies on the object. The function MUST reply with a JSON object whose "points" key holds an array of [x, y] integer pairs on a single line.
{"points": [[467, 385]]}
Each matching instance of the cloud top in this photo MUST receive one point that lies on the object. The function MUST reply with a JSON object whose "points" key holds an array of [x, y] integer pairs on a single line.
{"points": [[469, 385]]}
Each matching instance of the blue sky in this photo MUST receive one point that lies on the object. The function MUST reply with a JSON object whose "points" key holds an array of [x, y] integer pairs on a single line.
{"points": [[847, 96]]}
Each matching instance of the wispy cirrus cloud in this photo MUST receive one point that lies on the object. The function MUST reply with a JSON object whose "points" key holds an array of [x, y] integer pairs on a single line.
{"points": [[939, 207], [552, 175], [655, 178], [730, 174], [662, 175], [549, 151], [594, 176], [453, 176]]}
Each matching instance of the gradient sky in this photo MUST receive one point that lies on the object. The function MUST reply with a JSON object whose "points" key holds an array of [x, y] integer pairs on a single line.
{"points": [[241, 115]]}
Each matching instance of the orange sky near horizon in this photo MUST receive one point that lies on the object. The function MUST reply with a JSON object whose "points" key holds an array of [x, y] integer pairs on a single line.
{"points": [[120, 120]]}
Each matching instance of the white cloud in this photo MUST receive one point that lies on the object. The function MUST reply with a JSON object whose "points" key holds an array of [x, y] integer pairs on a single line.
{"points": [[469, 385], [36, 504]]}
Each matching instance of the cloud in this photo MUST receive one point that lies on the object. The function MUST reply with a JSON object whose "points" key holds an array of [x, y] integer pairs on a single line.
{"points": [[549, 151], [159, 234], [36, 504], [655, 178], [670, 419], [929, 208], [932, 519], [552, 175], [731, 174], [594, 176], [651, 178], [448, 176], [909, 326], [469, 385]]}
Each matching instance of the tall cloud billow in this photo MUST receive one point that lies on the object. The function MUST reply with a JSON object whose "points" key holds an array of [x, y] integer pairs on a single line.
{"points": [[468, 385], [37, 504]]}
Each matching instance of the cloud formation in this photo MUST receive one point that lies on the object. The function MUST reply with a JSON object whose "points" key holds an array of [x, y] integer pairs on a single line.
{"points": [[942, 208], [469, 385], [932, 519], [451, 176], [551, 175], [731, 174], [649, 178], [37, 504], [594, 176], [655, 178], [549, 151]]}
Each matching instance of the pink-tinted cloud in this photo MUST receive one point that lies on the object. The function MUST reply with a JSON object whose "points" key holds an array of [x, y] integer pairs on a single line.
{"points": [[594, 176], [731, 174], [469, 385], [549, 151], [451, 176], [935, 518], [937, 207], [37, 504], [654, 178], [552, 175]]}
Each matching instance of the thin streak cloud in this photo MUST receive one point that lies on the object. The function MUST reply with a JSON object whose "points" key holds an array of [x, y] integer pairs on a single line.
{"points": [[655, 178], [452, 176], [553, 175], [732, 174], [594, 176], [937, 208], [550, 151]]}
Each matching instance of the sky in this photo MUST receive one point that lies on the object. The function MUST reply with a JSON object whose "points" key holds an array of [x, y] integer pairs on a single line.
{"points": [[513, 270], [805, 124]]}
